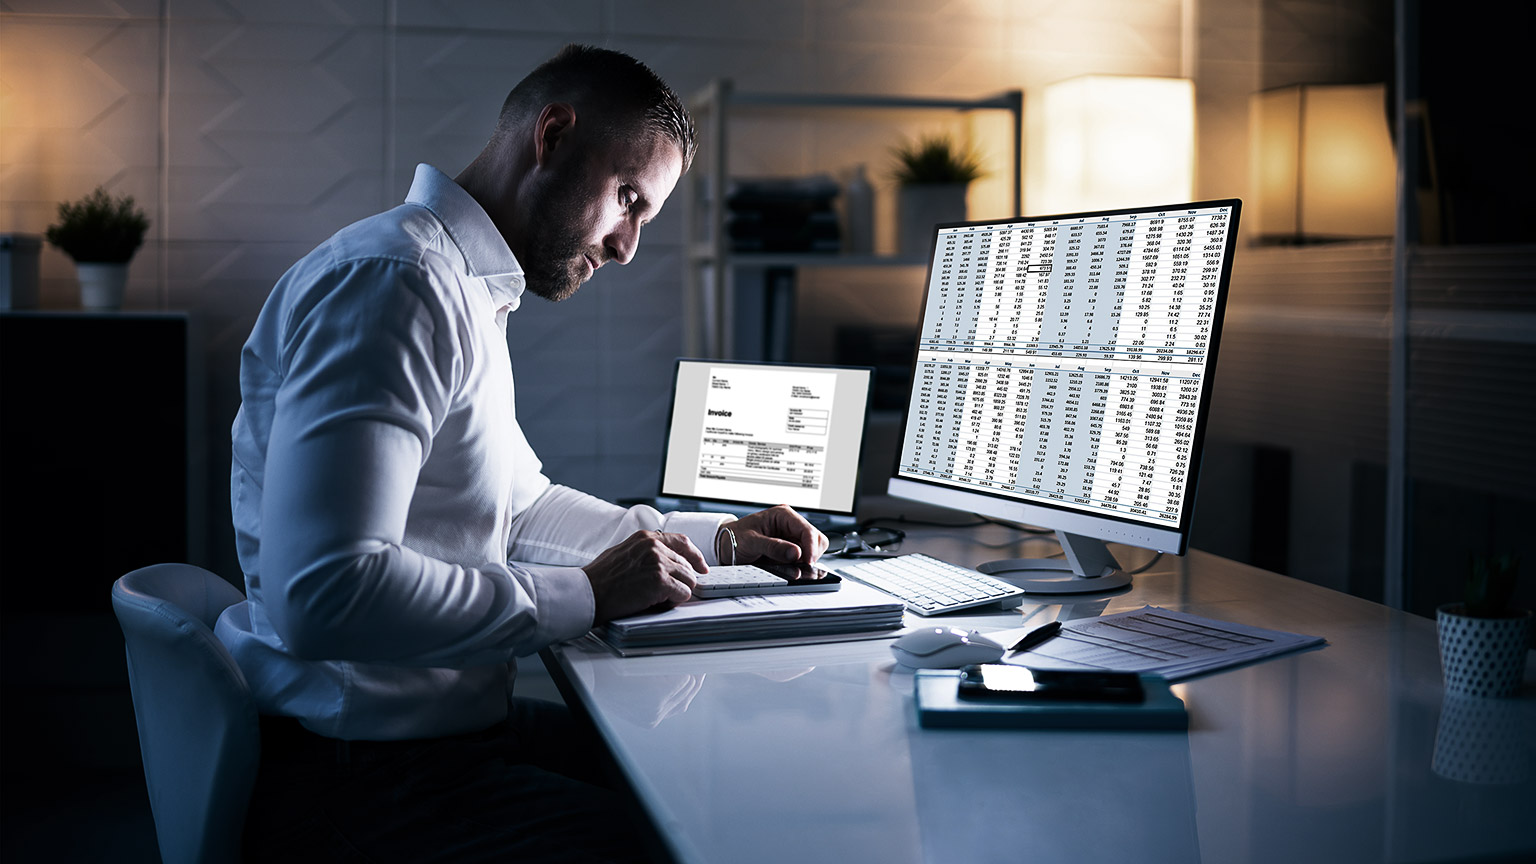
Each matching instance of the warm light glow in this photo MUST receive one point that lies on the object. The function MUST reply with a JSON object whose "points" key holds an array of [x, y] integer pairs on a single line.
{"points": [[1100, 142], [1274, 129], [1323, 162]]}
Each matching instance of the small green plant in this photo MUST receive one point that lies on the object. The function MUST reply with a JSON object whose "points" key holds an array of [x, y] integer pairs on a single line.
{"points": [[1491, 585], [935, 159], [99, 229]]}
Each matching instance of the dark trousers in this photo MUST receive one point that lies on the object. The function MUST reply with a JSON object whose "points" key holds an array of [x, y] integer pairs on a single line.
{"points": [[532, 788]]}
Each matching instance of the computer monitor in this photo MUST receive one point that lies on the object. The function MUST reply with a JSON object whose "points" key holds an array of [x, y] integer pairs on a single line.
{"points": [[1063, 377], [744, 435]]}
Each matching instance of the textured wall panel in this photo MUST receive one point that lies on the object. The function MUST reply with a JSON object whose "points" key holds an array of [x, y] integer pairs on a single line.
{"points": [[690, 65], [276, 129], [739, 22], [479, 16], [449, 88]]}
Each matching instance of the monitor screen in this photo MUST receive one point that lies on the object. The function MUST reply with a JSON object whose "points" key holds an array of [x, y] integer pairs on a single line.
{"points": [[1064, 369], [760, 434]]}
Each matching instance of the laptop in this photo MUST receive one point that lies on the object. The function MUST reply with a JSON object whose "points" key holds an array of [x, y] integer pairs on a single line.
{"points": [[743, 436]]}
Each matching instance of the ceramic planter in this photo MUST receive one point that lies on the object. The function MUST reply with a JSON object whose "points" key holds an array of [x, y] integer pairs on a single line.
{"points": [[102, 285], [1482, 657], [919, 207]]}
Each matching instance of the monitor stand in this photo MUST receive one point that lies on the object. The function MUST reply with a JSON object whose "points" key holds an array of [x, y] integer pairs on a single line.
{"points": [[1089, 568]]}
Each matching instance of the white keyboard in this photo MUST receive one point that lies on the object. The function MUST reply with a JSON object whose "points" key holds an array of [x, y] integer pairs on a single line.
{"points": [[929, 586]]}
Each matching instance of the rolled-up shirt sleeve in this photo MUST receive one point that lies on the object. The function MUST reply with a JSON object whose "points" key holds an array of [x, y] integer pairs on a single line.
{"points": [[369, 372], [568, 527]]}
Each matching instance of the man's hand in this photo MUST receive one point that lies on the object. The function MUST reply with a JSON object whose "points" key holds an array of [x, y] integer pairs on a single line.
{"points": [[778, 534], [648, 569]]}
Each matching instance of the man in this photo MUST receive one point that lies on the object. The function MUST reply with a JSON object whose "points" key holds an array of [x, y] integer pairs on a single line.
{"points": [[380, 483]]}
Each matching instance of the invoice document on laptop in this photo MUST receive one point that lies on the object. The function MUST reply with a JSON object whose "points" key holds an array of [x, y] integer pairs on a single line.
{"points": [[764, 434]]}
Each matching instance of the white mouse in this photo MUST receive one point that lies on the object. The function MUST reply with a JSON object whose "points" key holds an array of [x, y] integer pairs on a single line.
{"points": [[945, 648]]}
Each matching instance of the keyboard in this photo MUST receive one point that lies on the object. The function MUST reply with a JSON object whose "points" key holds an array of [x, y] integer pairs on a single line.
{"points": [[929, 586]]}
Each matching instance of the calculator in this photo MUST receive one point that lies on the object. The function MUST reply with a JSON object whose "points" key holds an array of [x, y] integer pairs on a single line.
{"points": [[735, 580]]}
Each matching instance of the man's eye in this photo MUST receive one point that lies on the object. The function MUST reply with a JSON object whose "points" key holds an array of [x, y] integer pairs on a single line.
{"points": [[626, 198]]}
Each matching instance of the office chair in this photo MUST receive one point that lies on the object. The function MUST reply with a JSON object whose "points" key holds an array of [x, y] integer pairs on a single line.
{"points": [[198, 729]]}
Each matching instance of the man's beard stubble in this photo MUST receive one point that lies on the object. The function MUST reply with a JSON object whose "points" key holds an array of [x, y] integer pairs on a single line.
{"points": [[555, 263]]}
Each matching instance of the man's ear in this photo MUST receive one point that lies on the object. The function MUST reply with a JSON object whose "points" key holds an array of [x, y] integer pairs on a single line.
{"points": [[552, 130]]}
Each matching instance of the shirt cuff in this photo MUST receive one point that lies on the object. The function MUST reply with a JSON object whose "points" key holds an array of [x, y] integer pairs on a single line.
{"points": [[565, 603], [700, 528]]}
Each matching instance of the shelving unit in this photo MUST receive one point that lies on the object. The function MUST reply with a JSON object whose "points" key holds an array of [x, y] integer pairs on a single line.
{"points": [[712, 272]]}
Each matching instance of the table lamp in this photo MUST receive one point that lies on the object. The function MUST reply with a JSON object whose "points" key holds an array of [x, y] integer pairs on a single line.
{"points": [[1323, 164], [1106, 141]]}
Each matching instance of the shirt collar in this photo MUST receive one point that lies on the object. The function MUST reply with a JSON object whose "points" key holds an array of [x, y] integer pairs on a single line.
{"points": [[486, 254]]}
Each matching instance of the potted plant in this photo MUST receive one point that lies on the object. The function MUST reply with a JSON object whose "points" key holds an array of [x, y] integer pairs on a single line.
{"points": [[932, 174], [100, 233], [1483, 640]]}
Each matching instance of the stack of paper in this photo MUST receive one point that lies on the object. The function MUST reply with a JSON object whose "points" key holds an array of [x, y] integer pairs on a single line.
{"points": [[758, 618], [1153, 640]]}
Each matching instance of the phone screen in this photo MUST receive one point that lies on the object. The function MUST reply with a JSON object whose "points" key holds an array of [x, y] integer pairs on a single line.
{"points": [[800, 574], [1006, 681]]}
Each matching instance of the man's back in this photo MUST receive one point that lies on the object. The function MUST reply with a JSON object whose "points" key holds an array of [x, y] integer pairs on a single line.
{"points": [[379, 364]]}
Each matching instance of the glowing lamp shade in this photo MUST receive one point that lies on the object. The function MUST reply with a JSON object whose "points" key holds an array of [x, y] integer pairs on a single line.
{"points": [[1323, 163], [1105, 141]]}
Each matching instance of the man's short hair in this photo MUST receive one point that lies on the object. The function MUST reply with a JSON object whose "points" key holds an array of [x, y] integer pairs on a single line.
{"points": [[623, 93]]}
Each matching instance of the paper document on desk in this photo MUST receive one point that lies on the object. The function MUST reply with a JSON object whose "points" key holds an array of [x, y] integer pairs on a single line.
{"points": [[1176, 645], [853, 608]]}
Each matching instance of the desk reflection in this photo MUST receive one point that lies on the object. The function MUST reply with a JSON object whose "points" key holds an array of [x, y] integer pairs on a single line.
{"points": [[1482, 741], [1054, 795], [649, 690]]}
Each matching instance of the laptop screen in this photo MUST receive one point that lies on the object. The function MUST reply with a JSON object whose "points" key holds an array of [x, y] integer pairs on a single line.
{"points": [[760, 434]]}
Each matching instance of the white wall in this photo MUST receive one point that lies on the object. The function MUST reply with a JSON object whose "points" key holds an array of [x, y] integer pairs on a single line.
{"points": [[252, 129]]}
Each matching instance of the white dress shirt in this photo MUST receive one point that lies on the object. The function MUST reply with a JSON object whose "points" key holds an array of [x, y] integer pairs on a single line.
{"points": [[380, 484]]}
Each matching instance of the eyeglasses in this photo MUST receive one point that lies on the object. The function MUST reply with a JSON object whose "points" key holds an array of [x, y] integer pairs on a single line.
{"points": [[872, 540]]}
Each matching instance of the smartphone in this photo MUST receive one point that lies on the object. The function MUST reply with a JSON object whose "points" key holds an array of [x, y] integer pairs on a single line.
{"points": [[807, 575], [1002, 681]]}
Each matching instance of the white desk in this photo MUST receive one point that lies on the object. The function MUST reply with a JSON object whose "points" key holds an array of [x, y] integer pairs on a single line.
{"points": [[813, 753]]}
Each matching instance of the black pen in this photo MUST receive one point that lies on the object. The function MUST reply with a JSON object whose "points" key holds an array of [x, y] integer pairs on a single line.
{"points": [[1035, 637]]}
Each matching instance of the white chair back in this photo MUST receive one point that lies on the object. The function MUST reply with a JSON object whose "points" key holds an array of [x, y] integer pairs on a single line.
{"points": [[198, 727]]}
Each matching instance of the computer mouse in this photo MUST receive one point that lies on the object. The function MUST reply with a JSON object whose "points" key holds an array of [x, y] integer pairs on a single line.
{"points": [[945, 648]]}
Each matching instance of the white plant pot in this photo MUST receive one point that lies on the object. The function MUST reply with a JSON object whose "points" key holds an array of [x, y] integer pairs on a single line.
{"points": [[102, 285], [921, 206], [1482, 657]]}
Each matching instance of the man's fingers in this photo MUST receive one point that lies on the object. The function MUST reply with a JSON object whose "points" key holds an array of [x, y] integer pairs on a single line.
{"points": [[822, 542], [803, 534], [807, 544], [778, 550], [648, 569], [770, 528], [812, 543], [687, 553]]}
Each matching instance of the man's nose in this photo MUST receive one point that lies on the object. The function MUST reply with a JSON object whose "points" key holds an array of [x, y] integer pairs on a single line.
{"points": [[621, 243]]}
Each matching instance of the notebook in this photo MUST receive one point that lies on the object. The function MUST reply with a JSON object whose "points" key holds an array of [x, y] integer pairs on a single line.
{"points": [[743, 436]]}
